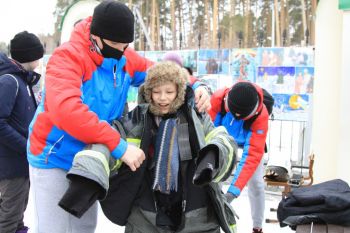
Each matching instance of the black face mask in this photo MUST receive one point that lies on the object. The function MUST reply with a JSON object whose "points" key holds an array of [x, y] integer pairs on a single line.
{"points": [[110, 52]]}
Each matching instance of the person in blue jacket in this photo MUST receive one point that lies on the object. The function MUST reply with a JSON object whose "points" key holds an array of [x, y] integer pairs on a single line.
{"points": [[17, 108]]}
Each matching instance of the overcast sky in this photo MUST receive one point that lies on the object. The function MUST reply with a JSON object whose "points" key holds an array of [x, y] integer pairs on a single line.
{"points": [[35, 16]]}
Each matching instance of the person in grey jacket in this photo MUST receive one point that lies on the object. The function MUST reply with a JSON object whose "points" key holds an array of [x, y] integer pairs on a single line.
{"points": [[176, 188], [17, 108]]}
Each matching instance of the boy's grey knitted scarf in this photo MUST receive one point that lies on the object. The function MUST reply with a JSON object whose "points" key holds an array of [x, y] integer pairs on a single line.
{"points": [[167, 157]]}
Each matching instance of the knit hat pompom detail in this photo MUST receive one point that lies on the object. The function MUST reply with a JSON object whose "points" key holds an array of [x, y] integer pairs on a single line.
{"points": [[160, 74]]}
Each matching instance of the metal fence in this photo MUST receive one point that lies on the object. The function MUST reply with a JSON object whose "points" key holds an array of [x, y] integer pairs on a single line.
{"points": [[290, 139]]}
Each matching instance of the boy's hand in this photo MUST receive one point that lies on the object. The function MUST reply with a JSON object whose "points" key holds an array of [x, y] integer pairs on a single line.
{"points": [[133, 157], [202, 98]]}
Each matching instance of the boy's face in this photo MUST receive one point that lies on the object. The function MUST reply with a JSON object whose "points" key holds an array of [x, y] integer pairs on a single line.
{"points": [[163, 96]]}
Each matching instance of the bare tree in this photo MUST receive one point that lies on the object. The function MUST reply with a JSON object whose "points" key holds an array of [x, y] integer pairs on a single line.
{"points": [[215, 24], [303, 16], [232, 14], [173, 23], [208, 24], [277, 24]]}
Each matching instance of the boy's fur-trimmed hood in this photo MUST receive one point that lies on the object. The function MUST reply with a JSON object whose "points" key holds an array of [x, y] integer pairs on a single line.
{"points": [[160, 74]]}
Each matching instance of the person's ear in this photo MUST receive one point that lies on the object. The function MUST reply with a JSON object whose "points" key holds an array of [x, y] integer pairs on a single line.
{"points": [[97, 41]]}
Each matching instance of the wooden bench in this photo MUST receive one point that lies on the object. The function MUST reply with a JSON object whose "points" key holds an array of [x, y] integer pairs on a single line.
{"points": [[320, 228], [287, 187]]}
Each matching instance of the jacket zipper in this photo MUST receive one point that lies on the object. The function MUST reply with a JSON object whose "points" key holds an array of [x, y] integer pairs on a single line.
{"points": [[53, 146], [114, 76]]}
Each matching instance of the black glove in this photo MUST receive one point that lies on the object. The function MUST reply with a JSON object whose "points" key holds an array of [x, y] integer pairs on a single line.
{"points": [[230, 197], [80, 195], [207, 163]]}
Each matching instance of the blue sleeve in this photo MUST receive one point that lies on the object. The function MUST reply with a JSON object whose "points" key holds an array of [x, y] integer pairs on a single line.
{"points": [[138, 79], [8, 135], [218, 120], [197, 84], [119, 151]]}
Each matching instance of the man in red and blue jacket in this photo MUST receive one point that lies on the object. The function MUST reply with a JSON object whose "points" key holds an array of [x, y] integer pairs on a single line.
{"points": [[246, 119], [86, 86]]}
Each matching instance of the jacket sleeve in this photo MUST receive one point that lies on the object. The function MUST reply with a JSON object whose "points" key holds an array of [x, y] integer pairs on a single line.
{"points": [[136, 66], [195, 83], [219, 137], [8, 135], [215, 101], [253, 152], [67, 111]]}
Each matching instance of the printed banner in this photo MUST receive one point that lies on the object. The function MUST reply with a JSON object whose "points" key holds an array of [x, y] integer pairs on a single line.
{"points": [[243, 64]]}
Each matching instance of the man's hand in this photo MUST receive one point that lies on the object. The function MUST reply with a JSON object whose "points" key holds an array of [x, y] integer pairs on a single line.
{"points": [[202, 98], [133, 157]]}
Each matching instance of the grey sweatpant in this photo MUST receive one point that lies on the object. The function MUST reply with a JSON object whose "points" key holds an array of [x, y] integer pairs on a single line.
{"points": [[48, 187], [13, 203], [256, 194]]}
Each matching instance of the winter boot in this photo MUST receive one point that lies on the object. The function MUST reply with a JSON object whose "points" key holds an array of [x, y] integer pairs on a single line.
{"points": [[257, 230], [23, 230]]}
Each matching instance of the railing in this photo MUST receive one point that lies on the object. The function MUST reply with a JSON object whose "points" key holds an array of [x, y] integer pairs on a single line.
{"points": [[290, 139]]}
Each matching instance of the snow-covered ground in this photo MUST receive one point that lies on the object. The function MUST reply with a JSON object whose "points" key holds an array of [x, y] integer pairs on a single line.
{"points": [[241, 206]]}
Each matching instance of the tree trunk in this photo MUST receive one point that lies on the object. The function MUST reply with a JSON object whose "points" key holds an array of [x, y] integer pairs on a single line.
{"points": [[173, 24], [181, 25], [312, 21], [277, 25], [282, 19], [232, 14], [247, 24], [215, 24], [190, 41], [287, 25], [158, 41], [153, 24], [140, 32], [207, 37], [303, 16]]}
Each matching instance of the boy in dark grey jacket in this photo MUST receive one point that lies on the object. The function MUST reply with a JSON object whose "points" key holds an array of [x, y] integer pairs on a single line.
{"points": [[176, 188]]}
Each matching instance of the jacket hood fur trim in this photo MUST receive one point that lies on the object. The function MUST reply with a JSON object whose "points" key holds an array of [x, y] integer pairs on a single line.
{"points": [[160, 74]]}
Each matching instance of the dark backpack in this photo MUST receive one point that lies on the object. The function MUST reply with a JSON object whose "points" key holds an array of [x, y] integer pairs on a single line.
{"points": [[268, 102]]}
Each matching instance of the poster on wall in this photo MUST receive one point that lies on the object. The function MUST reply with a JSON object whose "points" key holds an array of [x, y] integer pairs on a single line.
{"points": [[243, 64], [189, 59], [270, 56], [278, 79], [212, 61], [217, 81], [291, 106], [298, 56], [304, 80], [155, 56], [287, 73]]}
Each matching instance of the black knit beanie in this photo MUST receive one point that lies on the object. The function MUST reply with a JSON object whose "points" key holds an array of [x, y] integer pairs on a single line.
{"points": [[242, 99], [26, 47], [113, 21]]}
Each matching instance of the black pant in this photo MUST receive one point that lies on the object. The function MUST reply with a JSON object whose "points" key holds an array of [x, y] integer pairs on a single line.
{"points": [[13, 203]]}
